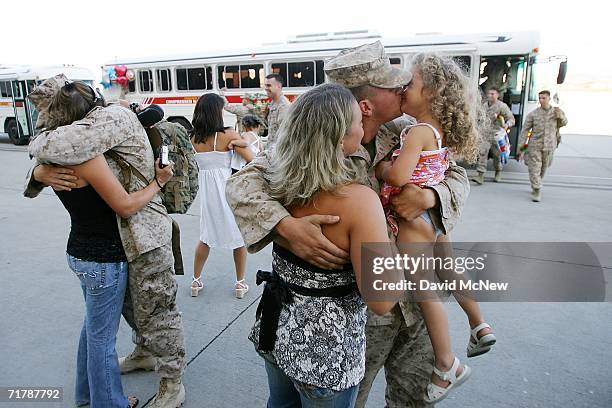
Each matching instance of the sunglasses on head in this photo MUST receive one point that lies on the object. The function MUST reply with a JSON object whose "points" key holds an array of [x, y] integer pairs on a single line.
{"points": [[95, 94]]}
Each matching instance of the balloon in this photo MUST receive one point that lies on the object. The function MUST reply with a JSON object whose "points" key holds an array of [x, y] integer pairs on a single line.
{"points": [[121, 80], [120, 70], [111, 74], [106, 85], [130, 75]]}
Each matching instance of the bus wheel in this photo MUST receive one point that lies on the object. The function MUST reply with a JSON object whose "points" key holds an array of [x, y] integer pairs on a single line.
{"points": [[14, 130], [181, 121]]}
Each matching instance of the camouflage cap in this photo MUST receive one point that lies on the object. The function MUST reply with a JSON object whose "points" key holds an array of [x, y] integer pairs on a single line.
{"points": [[43, 94], [365, 65]]}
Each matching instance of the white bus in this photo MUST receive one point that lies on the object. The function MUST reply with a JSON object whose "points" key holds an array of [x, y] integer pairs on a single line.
{"points": [[176, 82], [17, 114]]}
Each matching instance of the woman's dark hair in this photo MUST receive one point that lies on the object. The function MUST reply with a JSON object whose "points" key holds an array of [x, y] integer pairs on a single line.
{"points": [[251, 121], [207, 117], [73, 101]]}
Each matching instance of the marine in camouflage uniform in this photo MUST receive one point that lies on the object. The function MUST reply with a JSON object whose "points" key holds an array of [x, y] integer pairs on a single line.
{"points": [[277, 112], [498, 115], [150, 304], [398, 340], [245, 109], [544, 125]]}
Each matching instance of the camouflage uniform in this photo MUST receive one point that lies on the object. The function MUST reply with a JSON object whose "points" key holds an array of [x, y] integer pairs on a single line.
{"points": [[495, 112], [277, 112], [398, 340], [544, 125], [495, 70], [150, 307], [241, 111]]}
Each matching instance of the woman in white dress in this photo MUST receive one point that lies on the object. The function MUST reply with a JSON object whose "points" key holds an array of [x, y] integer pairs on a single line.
{"points": [[214, 147]]}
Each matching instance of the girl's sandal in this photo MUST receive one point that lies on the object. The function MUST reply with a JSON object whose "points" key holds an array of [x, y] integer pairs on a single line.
{"points": [[240, 289], [480, 345], [196, 286], [435, 393]]}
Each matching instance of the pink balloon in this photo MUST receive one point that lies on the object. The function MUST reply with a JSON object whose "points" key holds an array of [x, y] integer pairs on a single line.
{"points": [[121, 80], [120, 70], [130, 75]]}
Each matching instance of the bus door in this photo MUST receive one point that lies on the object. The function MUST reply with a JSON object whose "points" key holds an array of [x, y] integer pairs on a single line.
{"points": [[510, 74], [25, 113]]}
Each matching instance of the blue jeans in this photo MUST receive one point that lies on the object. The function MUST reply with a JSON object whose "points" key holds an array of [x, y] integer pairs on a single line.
{"points": [[288, 393], [98, 379]]}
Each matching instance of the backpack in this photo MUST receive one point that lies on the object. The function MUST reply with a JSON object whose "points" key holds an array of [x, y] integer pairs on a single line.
{"points": [[180, 191]]}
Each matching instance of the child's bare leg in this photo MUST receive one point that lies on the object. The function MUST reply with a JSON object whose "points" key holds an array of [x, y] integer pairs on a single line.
{"points": [[434, 314]]}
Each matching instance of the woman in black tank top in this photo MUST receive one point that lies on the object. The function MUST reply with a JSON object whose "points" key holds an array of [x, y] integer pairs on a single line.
{"points": [[96, 255]]}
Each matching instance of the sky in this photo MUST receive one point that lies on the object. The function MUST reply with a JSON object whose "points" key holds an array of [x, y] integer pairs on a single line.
{"points": [[91, 33]]}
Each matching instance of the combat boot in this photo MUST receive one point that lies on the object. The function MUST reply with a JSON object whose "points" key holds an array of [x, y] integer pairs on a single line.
{"points": [[137, 360], [171, 394], [497, 178], [479, 179], [536, 196]]}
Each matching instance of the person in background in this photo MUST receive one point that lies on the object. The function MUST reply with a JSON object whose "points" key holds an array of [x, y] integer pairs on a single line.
{"points": [[277, 109], [251, 125], [543, 124], [213, 143], [499, 116], [248, 107]]}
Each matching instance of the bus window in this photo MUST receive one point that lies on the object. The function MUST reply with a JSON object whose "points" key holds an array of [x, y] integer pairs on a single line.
{"points": [[229, 76], [280, 68], [396, 62], [5, 89], [131, 86], [533, 84], [301, 74], [192, 79], [164, 82], [146, 80], [250, 76], [464, 61], [320, 73]]}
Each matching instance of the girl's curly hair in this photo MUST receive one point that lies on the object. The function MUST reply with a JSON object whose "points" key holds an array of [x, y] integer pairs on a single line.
{"points": [[456, 103]]}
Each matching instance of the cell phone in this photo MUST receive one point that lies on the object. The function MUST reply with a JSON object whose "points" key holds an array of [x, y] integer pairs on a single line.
{"points": [[163, 157]]}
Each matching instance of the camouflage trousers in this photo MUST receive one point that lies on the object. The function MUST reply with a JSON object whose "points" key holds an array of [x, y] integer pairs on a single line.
{"points": [[407, 356], [150, 310], [486, 148], [537, 162]]}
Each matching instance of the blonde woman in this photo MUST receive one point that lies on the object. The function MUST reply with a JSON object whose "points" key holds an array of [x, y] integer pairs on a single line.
{"points": [[311, 322], [447, 111]]}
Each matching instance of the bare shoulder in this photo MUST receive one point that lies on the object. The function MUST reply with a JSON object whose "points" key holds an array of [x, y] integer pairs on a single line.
{"points": [[231, 134], [357, 198], [420, 135]]}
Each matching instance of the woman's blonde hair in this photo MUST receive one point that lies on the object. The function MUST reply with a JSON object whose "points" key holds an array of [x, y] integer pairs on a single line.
{"points": [[308, 157], [456, 103]]}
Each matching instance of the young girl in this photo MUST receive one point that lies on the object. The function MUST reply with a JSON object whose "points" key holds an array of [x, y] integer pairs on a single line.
{"points": [[447, 110], [213, 143], [251, 125]]}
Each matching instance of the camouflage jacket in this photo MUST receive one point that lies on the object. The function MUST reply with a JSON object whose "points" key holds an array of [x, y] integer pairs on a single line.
{"points": [[103, 129], [277, 112], [544, 125], [257, 213], [498, 114]]}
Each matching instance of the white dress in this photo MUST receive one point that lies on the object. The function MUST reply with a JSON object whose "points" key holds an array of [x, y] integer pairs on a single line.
{"points": [[218, 227]]}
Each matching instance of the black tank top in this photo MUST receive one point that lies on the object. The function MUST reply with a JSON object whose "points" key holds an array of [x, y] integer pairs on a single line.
{"points": [[94, 235]]}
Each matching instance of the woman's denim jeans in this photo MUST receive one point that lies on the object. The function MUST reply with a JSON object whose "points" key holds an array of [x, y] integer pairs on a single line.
{"points": [[98, 380], [288, 393]]}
